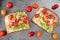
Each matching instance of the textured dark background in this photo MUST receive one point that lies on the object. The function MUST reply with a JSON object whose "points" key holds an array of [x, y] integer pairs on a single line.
{"points": [[20, 5]]}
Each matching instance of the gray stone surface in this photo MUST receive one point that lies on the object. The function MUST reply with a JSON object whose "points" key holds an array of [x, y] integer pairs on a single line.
{"points": [[21, 5]]}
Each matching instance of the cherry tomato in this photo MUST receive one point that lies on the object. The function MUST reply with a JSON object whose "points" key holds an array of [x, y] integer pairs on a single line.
{"points": [[9, 5], [48, 23], [3, 12], [15, 24], [55, 35], [25, 19], [29, 8], [55, 6], [2, 33], [14, 19], [18, 19], [39, 34], [54, 24], [35, 5], [10, 23], [44, 11], [30, 34], [36, 15], [47, 16], [52, 17], [43, 19], [10, 16]]}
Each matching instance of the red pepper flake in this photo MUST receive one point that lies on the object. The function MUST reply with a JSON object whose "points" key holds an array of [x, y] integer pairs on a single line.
{"points": [[55, 6]]}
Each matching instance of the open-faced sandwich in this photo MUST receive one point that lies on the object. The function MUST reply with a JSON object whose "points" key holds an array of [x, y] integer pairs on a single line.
{"points": [[46, 19], [16, 21]]}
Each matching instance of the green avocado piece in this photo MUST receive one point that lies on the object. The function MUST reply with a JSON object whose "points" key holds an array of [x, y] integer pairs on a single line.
{"points": [[18, 27], [43, 24]]}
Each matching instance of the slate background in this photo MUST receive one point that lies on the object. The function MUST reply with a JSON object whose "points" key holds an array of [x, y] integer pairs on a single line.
{"points": [[20, 5]]}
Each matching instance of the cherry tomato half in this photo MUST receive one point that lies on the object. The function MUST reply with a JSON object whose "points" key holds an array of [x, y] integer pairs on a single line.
{"points": [[10, 16], [48, 23], [15, 24], [36, 15], [25, 19], [44, 11]]}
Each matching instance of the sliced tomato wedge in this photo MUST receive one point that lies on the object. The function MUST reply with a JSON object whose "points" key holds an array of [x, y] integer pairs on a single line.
{"points": [[36, 15], [10, 16], [48, 23], [25, 19], [44, 11]]}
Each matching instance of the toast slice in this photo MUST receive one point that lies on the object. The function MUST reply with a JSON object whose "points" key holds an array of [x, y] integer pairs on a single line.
{"points": [[16, 21], [45, 19]]}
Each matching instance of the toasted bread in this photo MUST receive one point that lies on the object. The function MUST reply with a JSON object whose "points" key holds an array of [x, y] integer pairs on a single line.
{"points": [[45, 19], [16, 21]]}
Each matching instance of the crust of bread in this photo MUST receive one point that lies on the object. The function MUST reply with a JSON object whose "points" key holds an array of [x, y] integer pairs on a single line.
{"points": [[56, 20], [8, 27]]}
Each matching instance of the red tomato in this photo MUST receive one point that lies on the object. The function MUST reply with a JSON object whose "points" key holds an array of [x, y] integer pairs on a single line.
{"points": [[36, 15], [25, 19], [44, 11], [30, 34], [9, 5], [48, 23], [17, 20], [10, 16], [2, 33], [52, 17], [29, 8], [11, 23], [55, 6], [15, 24]]}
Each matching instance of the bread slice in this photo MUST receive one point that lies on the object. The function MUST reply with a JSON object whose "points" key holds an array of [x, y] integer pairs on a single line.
{"points": [[45, 19], [16, 21]]}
